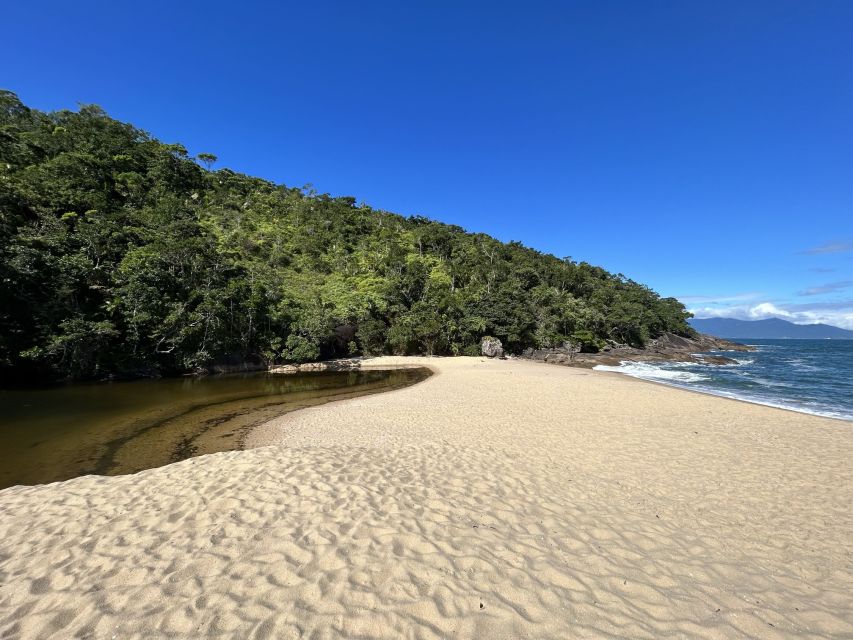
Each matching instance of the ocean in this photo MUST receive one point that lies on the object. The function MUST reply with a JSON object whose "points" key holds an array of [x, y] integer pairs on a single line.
{"points": [[811, 376]]}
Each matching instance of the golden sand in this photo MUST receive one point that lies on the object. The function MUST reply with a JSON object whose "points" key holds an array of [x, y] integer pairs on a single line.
{"points": [[497, 499]]}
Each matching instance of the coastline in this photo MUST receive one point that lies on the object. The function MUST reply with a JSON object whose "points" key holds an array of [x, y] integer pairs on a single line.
{"points": [[808, 376], [493, 499], [720, 396], [366, 363]]}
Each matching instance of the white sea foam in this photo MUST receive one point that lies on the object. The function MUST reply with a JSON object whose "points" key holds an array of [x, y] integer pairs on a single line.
{"points": [[687, 379], [738, 362], [800, 407], [648, 371], [769, 383], [799, 364]]}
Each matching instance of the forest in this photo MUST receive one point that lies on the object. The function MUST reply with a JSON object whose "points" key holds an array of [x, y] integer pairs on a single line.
{"points": [[121, 255]]}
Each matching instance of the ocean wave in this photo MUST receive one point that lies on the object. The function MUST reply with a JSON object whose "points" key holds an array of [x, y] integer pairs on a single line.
{"points": [[769, 383], [672, 374], [811, 408], [738, 362], [649, 371], [801, 364]]}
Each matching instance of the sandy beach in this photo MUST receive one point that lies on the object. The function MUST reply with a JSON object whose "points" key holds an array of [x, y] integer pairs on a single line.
{"points": [[496, 499]]}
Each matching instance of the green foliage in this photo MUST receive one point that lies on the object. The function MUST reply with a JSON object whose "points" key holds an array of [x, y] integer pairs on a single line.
{"points": [[301, 348], [207, 158], [120, 253], [587, 341]]}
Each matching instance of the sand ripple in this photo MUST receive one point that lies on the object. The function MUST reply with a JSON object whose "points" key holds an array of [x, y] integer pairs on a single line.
{"points": [[474, 531]]}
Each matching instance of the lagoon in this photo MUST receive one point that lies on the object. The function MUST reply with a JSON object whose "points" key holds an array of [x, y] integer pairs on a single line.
{"points": [[48, 435]]}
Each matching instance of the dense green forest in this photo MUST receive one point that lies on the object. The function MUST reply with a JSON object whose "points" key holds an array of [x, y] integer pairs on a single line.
{"points": [[120, 254]]}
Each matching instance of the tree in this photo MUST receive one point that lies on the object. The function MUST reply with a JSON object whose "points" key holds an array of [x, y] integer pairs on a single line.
{"points": [[207, 158], [121, 253]]}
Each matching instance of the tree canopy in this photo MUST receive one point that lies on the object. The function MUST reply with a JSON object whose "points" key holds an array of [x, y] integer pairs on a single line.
{"points": [[120, 253]]}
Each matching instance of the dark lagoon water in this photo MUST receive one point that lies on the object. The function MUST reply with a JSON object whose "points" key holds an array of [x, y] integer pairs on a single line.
{"points": [[812, 376], [54, 434]]}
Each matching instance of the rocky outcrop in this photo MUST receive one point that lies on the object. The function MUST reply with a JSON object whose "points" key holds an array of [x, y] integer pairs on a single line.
{"points": [[341, 364], [666, 347], [491, 347], [669, 342]]}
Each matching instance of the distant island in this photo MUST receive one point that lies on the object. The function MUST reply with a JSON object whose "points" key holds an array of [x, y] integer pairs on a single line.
{"points": [[770, 328]]}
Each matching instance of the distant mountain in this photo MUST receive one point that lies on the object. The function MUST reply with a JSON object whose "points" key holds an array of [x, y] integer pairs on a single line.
{"points": [[771, 328]]}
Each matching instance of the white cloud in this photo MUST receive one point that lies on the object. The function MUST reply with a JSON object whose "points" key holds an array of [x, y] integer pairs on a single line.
{"points": [[826, 288], [829, 247], [768, 310], [839, 314]]}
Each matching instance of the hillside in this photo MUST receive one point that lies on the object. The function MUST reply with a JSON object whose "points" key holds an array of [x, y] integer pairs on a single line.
{"points": [[770, 328], [120, 254]]}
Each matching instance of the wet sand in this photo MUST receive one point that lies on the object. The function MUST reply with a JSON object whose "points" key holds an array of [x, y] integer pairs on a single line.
{"points": [[496, 499]]}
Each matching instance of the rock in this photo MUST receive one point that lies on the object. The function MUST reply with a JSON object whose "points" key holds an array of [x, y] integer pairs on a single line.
{"points": [[666, 347], [340, 364], [287, 368], [491, 347], [671, 343]]}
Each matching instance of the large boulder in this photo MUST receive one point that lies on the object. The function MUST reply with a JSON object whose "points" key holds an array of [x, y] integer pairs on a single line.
{"points": [[491, 347]]}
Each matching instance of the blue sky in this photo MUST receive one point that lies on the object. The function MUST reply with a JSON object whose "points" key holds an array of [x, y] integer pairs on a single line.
{"points": [[703, 148]]}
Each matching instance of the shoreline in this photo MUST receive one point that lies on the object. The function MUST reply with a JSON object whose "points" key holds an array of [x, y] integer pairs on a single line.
{"points": [[714, 394], [494, 499], [106, 430], [725, 397], [719, 396], [367, 362]]}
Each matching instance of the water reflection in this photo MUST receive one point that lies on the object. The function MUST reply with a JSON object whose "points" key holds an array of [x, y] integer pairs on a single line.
{"points": [[48, 435]]}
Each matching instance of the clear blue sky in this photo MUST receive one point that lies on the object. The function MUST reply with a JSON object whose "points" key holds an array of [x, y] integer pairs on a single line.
{"points": [[704, 148]]}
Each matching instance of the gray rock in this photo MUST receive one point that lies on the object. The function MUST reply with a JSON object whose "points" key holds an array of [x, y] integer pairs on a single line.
{"points": [[666, 347], [491, 347]]}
